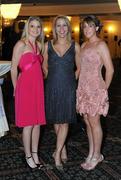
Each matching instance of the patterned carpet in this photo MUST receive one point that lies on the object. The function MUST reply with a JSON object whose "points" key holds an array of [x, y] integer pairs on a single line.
{"points": [[12, 160]]}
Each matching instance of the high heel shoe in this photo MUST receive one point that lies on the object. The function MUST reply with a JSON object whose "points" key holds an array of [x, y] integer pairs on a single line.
{"points": [[87, 160], [64, 156], [93, 163], [39, 165], [64, 160], [53, 155], [31, 163], [58, 166]]}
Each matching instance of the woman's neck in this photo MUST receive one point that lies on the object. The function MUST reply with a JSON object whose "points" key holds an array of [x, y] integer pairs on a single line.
{"points": [[32, 40], [62, 41], [93, 40]]}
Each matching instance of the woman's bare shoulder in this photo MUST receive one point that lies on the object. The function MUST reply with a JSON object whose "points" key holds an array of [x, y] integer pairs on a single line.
{"points": [[102, 45], [20, 44], [83, 44]]}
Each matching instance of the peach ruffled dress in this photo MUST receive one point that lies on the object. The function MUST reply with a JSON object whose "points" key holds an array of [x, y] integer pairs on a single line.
{"points": [[92, 95]]}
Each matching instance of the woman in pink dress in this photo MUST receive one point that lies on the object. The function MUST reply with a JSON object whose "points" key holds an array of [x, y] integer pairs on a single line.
{"points": [[92, 95], [27, 79]]}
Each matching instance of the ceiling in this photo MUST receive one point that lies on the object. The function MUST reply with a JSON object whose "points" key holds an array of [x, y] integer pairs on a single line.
{"points": [[67, 7], [58, 2]]}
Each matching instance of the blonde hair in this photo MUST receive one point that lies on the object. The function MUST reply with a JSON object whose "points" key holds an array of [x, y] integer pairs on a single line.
{"points": [[55, 37], [25, 33]]}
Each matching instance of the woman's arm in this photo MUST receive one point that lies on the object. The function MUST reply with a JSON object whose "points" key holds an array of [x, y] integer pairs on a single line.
{"points": [[45, 62], [17, 52], [77, 59], [106, 58]]}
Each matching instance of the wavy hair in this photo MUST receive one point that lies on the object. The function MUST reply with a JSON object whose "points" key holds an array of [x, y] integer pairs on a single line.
{"points": [[25, 33]]}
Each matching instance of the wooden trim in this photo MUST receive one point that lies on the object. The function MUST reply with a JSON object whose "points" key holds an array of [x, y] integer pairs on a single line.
{"points": [[45, 10]]}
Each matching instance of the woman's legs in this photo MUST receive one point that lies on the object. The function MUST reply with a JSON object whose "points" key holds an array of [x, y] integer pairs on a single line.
{"points": [[97, 134], [64, 154], [27, 132], [97, 141], [90, 139], [61, 138], [35, 142], [64, 151]]}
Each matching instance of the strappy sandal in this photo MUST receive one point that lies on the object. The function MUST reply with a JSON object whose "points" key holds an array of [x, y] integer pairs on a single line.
{"points": [[87, 160], [64, 160], [59, 166], [93, 163], [39, 165], [29, 164]]}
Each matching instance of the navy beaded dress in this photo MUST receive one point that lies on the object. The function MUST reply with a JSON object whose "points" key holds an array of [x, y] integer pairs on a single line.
{"points": [[60, 86]]}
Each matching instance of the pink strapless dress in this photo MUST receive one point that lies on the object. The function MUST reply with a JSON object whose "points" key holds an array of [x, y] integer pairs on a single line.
{"points": [[29, 93], [92, 95]]}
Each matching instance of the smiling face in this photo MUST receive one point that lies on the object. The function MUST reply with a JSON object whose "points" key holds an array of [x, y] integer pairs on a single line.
{"points": [[61, 28], [34, 28], [89, 29]]}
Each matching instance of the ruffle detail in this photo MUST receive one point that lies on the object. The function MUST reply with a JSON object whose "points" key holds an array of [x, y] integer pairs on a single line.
{"points": [[92, 103]]}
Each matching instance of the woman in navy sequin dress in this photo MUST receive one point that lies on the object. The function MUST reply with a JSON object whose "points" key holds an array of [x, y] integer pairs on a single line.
{"points": [[61, 67]]}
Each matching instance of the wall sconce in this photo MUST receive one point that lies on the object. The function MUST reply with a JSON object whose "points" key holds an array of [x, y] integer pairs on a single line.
{"points": [[47, 35], [47, 32], [111, 28], [76, 29], [46, 29]]}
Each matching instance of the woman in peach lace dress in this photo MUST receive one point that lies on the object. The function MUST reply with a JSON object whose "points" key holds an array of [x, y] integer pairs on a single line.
{"points": [[92, 95]]}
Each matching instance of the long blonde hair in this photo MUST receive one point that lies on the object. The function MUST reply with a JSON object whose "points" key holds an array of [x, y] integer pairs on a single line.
{"points": [[25, 33], [55, 38]]}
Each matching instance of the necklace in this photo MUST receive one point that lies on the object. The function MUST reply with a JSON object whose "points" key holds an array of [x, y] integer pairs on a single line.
{"points": [[34, 48]]}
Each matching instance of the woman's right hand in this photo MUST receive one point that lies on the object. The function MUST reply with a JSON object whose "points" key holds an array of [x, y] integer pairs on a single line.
{"points": [[45, 73]]}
